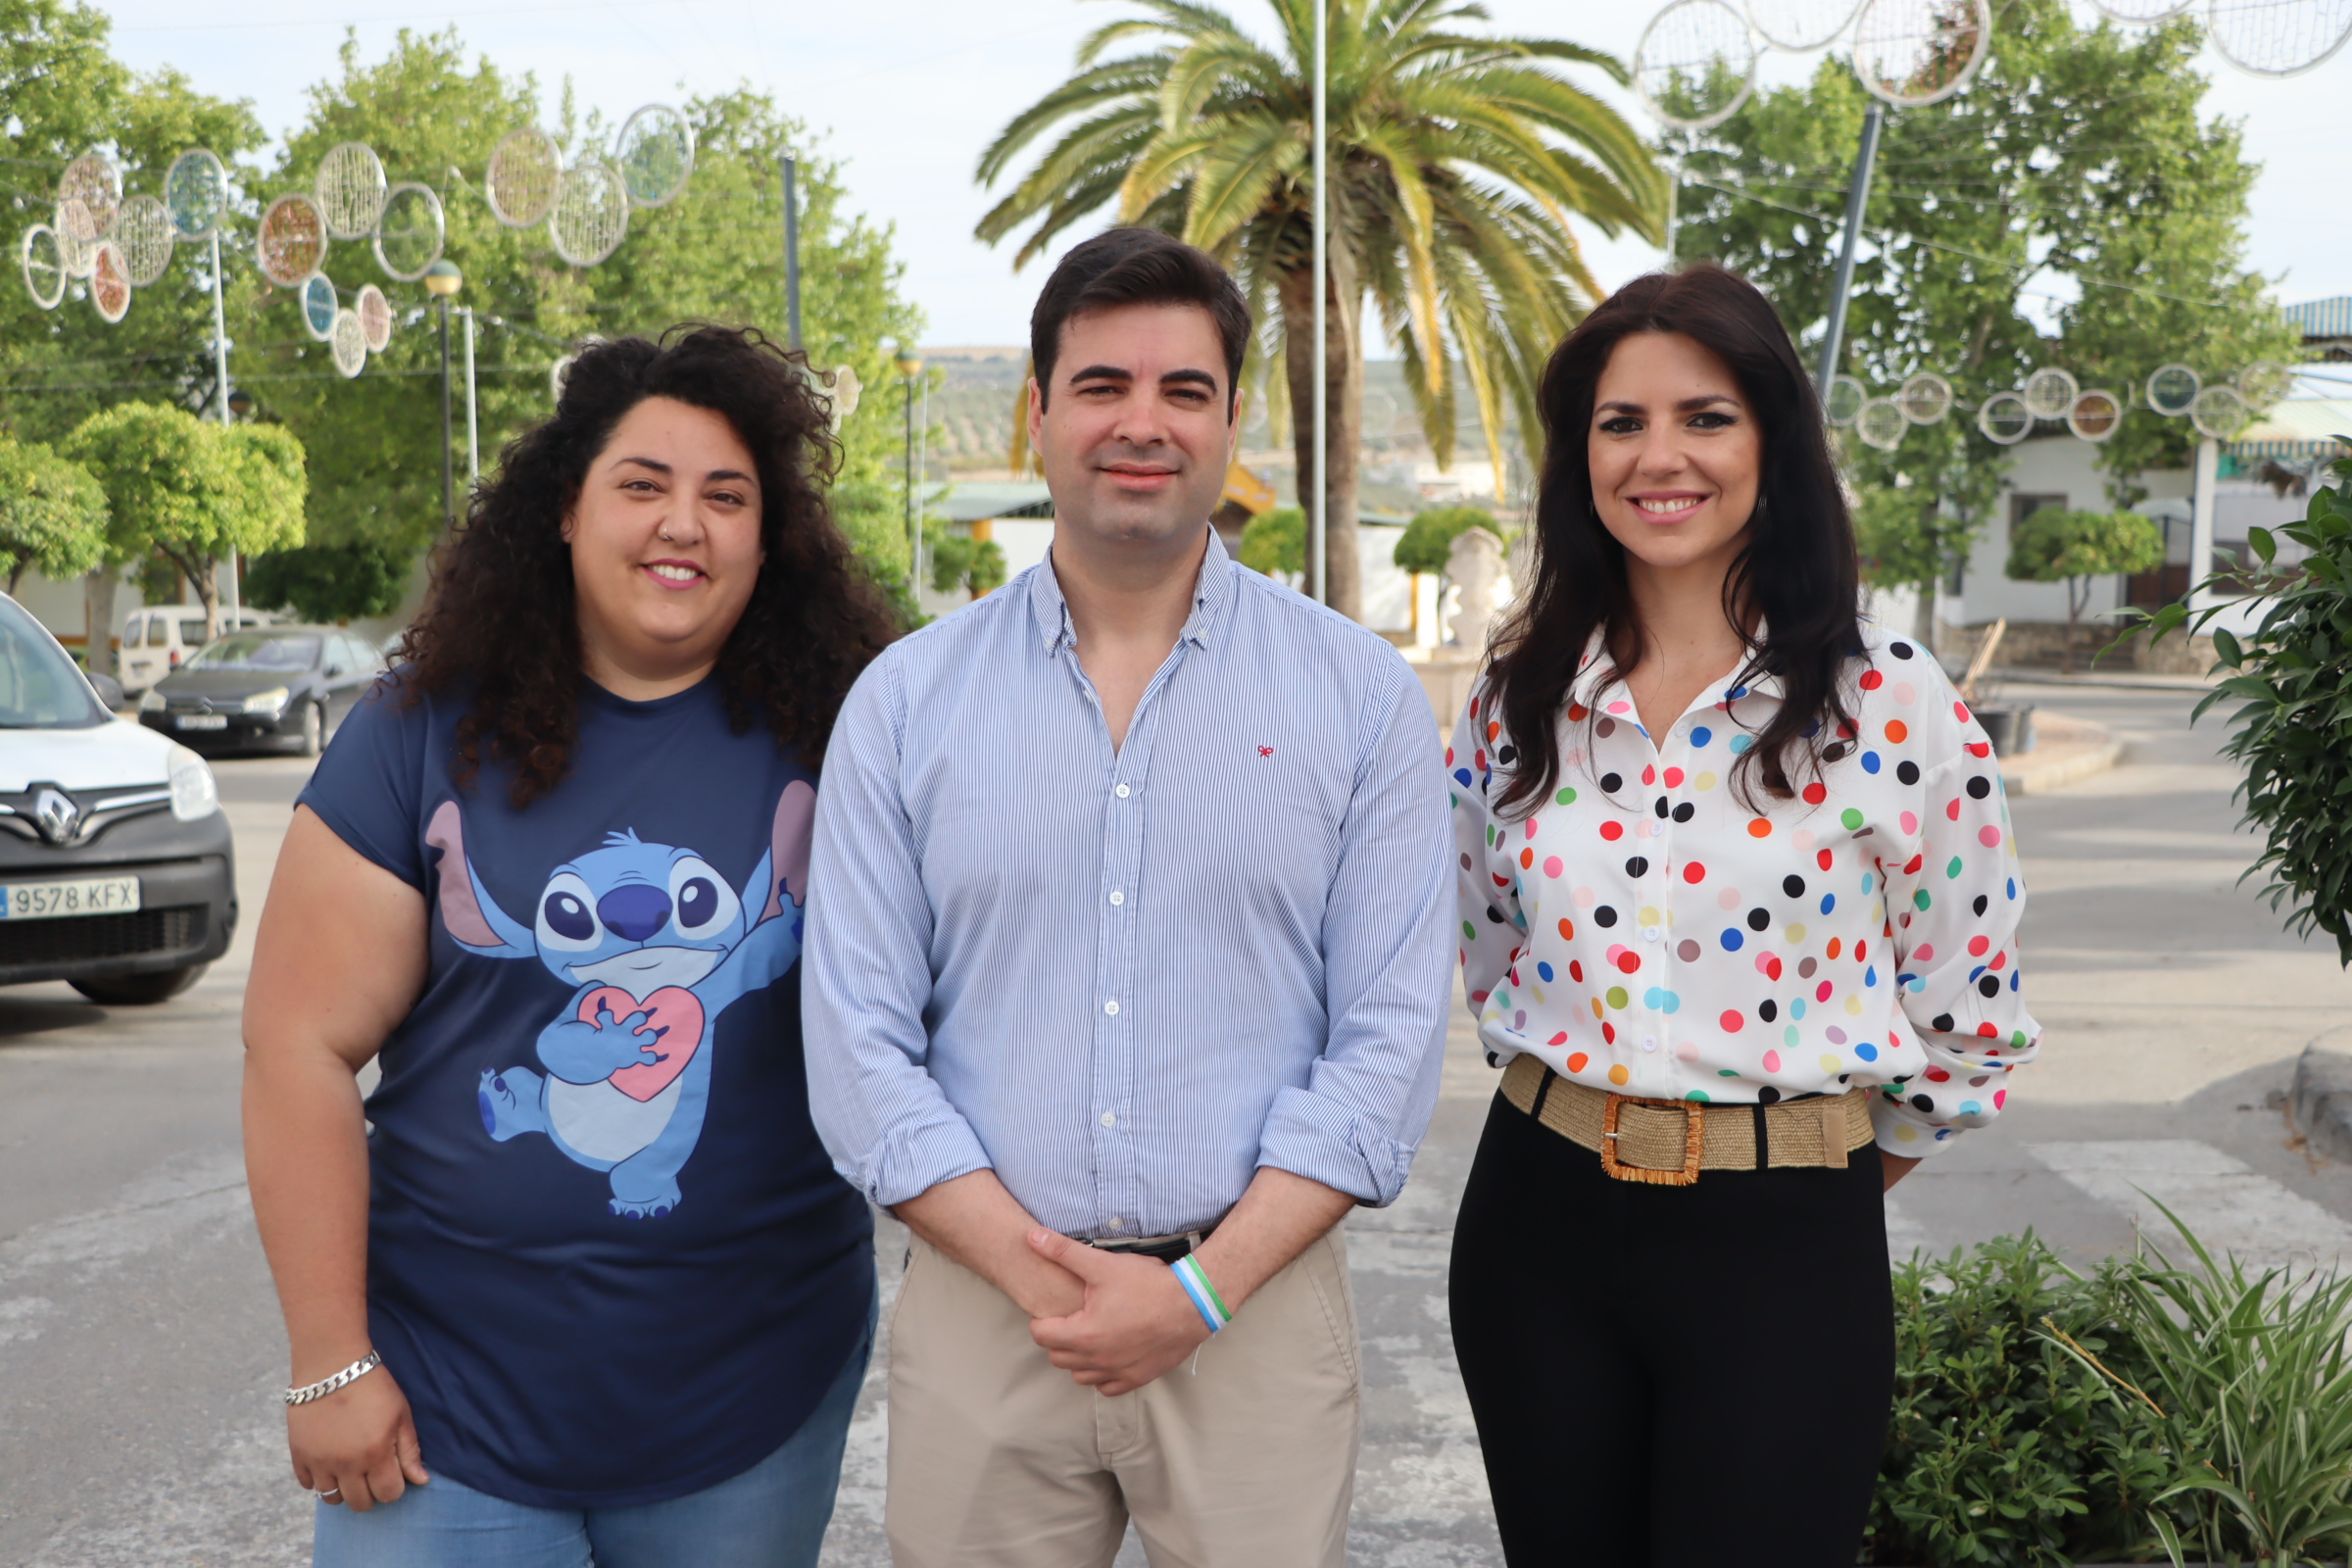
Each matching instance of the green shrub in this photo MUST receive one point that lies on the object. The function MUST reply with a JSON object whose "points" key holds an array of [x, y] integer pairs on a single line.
{"points": [[1276, 542], [2004, 1447], [2293, 674], [1429, 537], [329, 582]]}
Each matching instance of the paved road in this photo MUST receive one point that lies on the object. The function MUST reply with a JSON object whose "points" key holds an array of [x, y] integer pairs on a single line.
{"points": [[139, 1344]]}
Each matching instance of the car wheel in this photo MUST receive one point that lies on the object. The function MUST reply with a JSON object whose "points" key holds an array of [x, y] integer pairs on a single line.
{"points": [[140, 990], [313, 727]]}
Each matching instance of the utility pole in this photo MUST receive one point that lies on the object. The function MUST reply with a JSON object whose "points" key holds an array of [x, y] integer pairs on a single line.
{"points": [[792, 250], [220, 386], [1318, 562], [1857, 199]]}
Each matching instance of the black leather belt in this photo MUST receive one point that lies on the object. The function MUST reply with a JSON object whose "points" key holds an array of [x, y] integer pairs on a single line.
{"points": [[1166, 1249]]}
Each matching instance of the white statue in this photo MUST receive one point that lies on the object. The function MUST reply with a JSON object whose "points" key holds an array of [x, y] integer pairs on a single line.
{"points": [[1474, 564]]}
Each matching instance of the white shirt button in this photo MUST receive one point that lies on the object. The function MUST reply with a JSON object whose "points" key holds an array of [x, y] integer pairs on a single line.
{"points": [[1112, 1007], [1108, 1121], [1120, 791], [1118, 897], [1651, 933], [1116, 1222], [1649, 1042]]}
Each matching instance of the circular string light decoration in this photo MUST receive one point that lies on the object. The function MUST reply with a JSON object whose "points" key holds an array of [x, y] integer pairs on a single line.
{"points": [[1696, 64], [525, 168], [556, 374], [2263, 383], [2049, 393], [655, 155], [143, 229], [76, 236], [2005, 419], [1882, 423], [2140, 13], [196, 193], [2220, 412], [110, 281], [410, 234], [319, 307], [348, 342], [290, 242], [1846, 399], [2172, 390], [351, 189], [92, 180], [1800, 24], [2095, 415], [592, 212], [375, 318], [2278, 37], [1912, 53], [1926, 397], [43, 262]]}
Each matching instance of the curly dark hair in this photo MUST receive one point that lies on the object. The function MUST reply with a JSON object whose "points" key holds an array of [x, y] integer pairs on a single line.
{"points": [[501, 621]]}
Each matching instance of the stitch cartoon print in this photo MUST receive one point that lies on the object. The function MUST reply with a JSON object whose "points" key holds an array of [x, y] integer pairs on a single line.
{"points": [[657, 946]]}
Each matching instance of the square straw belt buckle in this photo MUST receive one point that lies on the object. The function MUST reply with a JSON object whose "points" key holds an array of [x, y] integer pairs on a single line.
{"points": [[1694, 1141]]}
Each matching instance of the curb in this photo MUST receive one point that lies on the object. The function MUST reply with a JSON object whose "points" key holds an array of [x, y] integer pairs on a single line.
{"points": [[2322, 1093], [2049, 768]]}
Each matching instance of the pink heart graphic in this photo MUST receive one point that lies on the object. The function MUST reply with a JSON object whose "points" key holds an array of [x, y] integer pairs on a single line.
{"points": [[673, 1009]]}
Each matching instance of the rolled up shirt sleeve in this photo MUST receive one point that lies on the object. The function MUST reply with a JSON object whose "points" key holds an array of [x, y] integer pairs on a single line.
{"points": [[867, 967], [1358, 1121], [1953, 909]]}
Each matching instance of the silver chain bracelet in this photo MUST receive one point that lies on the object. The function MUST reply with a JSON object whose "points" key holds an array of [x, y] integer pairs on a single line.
{"points": [[326, 1386]]}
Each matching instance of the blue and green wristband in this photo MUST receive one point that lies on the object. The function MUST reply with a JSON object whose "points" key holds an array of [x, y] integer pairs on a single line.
{"points": [[1195, 1280]]}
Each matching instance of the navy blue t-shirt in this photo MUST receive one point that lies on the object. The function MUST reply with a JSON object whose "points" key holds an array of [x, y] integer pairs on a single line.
{"points": [[608, 1260]]}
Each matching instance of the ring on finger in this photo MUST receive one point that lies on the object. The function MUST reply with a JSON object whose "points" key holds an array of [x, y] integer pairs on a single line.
{"points": [[331, 1495]]}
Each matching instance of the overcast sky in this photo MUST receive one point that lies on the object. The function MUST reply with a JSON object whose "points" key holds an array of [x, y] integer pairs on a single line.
{"points": [[909, 91]]}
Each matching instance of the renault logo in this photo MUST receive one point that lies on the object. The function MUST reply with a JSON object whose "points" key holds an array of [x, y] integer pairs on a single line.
{"points": [[56, 815]]}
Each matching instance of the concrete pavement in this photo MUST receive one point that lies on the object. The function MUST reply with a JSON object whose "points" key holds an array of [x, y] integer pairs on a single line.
{"points": [[140, 1348]]}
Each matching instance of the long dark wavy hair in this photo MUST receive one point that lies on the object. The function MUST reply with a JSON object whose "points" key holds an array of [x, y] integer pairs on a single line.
{"points": [[501, 621], [1797, 577]]}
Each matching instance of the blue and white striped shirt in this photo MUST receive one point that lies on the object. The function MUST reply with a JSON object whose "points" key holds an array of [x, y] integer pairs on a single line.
{"points": [[1126, 979]]}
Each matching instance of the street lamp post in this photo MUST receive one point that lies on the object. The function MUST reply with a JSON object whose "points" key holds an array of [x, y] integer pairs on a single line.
{"points": [[442, 281], [909, 365]]}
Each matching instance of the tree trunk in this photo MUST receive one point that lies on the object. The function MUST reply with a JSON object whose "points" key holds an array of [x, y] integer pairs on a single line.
{"points": [[1343, 373], [2074, 614], [202, 574], [98, 613]]}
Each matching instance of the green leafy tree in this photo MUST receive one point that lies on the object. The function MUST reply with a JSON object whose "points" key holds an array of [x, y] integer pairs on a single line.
{"points": [[2073, 547], [2078, 150], [711, 254], [959, 560], [192, 491], [1458, 161], [51, 513], [1275, 542], [329, 582], [62, 93], [1908, 539]]}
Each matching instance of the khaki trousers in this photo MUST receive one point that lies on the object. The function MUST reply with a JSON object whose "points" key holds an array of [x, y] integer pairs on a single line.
{"points": [[1245, 1459]]}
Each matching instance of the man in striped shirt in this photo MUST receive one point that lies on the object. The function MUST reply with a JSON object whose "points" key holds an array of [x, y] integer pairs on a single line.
{"points": [[1127, 971]]}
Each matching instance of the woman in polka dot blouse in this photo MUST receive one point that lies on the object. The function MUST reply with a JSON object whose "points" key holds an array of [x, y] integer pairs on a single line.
{"points": [[1738, 909]]}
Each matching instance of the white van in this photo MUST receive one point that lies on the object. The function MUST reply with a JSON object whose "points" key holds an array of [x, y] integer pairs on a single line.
{"points": [[158, 639]]}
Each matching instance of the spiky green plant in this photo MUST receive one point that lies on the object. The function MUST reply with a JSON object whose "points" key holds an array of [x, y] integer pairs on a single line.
{"points": [[1456, 160]]}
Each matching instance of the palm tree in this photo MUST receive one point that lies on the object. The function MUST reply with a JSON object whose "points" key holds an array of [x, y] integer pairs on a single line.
{"points": [[1456, 162]]}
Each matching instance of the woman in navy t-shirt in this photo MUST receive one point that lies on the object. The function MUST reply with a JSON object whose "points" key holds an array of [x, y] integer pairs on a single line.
{"points": [[576, 1285]]}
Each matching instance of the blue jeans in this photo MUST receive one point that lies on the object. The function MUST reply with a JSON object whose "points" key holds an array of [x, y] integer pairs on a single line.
{"points": [[773, 1515]]}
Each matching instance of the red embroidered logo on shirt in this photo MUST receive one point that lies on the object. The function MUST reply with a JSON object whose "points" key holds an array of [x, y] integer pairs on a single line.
{"points": [[1265, 751]]}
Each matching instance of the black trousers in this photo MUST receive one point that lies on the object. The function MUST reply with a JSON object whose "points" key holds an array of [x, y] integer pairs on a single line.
{"points": [[1671, 1377]]}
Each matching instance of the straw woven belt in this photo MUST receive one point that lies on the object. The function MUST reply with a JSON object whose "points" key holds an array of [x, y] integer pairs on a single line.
{"points": [[1669, 1142]]}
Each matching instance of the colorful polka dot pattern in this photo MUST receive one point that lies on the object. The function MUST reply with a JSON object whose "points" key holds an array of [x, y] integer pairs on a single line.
{"points": [[1652, 930]]}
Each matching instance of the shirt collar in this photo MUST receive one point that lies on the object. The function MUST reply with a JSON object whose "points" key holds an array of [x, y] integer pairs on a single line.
{"points": [[1587, 687], [1212, 592]]}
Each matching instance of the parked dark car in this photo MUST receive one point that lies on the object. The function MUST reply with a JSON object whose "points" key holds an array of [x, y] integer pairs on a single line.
{"points": [[116, 872], [277, 688]]}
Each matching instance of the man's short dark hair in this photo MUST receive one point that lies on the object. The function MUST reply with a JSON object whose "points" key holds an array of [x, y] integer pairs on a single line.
{"points": [[1136, 267]]}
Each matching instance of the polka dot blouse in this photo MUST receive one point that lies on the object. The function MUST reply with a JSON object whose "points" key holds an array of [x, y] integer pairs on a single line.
{"points": [[1648, 931]]}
